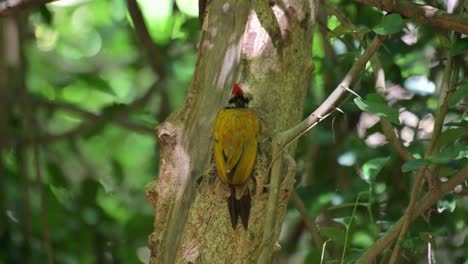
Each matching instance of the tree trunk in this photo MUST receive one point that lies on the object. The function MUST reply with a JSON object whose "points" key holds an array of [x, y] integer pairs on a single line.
{"points": [[266, 48]]}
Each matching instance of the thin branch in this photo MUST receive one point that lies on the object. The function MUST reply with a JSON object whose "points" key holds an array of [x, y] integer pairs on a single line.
{"points": [[421, 13], [92, 120], [436, 131], [310, 225], [379, 76], [429, 199], [96, 118], [44, 217], [387, 127], [13, 7], [342, 18], [22, 168], [283, 139], [328, 105], [153, 53], [408, 216]]}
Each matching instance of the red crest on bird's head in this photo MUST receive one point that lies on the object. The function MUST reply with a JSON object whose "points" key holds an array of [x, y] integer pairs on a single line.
{"points": [[237, 90]]}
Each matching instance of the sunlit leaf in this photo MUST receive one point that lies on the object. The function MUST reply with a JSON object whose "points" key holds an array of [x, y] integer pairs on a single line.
{"points": [[60, 193], [459, 122], [188, 7], [343, 220], [362, 239], [372, 167], [334, 233], [446, 205], [390, 24], [339, 31], [159, 18], [376, 104]]}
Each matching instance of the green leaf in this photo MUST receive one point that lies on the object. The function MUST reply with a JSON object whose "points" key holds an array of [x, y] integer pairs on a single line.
{"points": [[460, 47], [339, 31], [313, 257], [362, 239], [444, 41], [451, 153], [146, 119], [352, 256], [414, 164], [60, 193], [458, 94], [372, 167], [443, 205], [410, 242], [376, 104], [362, 32], [46, 15], [390, 24], [335, 234], [445, 171], [343, 220], [96, 83], [458, 122], [451, 135]]}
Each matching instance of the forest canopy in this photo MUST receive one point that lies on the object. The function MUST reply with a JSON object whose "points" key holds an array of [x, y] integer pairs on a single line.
{"points": [[381, 174]]}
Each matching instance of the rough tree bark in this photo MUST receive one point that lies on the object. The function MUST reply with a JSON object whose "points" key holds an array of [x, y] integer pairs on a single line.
{"points": [[266, 47]]}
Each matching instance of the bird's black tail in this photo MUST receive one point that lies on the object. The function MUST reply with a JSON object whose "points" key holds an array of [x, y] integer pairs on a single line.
{"points": [[239, 208]]}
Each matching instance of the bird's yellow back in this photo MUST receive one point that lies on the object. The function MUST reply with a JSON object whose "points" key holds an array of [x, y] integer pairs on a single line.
{"points": [[236, 134]]}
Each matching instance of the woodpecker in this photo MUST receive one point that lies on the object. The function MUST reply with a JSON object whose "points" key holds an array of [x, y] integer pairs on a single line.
{"points": [[236, 135]]}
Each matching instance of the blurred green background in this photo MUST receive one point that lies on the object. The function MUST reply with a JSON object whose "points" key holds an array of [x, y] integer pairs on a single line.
{"points": [[85, 125]]}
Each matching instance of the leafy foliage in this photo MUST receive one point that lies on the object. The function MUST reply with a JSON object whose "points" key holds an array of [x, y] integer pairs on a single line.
{"points": [[95, 103]]}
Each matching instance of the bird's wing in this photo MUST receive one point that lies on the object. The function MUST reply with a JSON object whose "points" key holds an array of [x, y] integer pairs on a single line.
{"points": [[236, 137]]}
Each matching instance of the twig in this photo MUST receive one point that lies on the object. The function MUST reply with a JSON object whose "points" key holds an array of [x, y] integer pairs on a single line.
{"points": [[44, 217], [379, 76], [283, 139], [387, 127], [425, 14], [429, 199], [450, 77], [333, 10], [12, 7], [348, 225], [438, 123], [332, 100], [92, 120], [296, 201], [22, 168], [408, 216], [153, 52]]}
